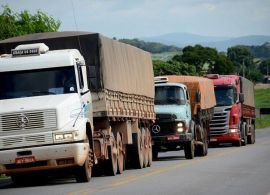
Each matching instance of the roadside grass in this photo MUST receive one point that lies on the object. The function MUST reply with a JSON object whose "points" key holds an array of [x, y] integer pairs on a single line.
{"points": [[263, 122], [262, 100]]}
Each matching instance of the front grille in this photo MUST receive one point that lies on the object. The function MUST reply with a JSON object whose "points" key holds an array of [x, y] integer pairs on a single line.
{"points": [[166, 128], [165, 117], [219, 123], [25, 140], [35, 120]]}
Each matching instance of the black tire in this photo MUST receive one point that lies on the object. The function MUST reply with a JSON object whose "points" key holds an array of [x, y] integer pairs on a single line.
{"points": [[189, 149], [19, 179], [137, 150], [244, 136], [84, 173], [149, 148], [111, 163], [252, 137], [155, 152], [202, 149]]}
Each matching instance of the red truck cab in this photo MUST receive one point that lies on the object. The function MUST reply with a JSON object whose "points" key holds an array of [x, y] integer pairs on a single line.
{"points": [[234, 114]]}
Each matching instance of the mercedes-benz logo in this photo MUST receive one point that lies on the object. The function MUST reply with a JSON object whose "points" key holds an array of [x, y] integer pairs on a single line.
{"points": [[156, 129], [22, 121]]}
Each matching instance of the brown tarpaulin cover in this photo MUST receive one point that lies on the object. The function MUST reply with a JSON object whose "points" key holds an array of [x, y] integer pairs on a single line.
{"points": [[247, 88], [111, 65], [194, 84]]}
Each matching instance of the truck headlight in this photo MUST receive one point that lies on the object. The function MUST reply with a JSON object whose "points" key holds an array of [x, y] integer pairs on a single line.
{"points": [[180, 127], [68, 136], [233, 130]]}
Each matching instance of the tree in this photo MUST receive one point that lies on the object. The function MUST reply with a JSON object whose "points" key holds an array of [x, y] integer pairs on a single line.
{"points": [[206, 60], [15, 24], [223, 65], [173, 67], [199, 56], [241, 57], [265, 67]]}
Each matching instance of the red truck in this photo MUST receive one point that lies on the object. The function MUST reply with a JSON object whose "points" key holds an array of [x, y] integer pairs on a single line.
{"points": [[234, 114]]}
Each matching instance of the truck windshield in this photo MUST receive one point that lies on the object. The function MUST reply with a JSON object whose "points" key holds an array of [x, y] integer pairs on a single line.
{"points": [[18, 84], [225, 96], [169, 95]]}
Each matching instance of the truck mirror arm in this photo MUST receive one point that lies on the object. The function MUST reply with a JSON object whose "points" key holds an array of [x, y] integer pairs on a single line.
{"points": [[78, 115]]}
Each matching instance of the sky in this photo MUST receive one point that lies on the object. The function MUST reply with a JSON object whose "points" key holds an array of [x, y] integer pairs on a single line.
{"points": [[147, 18]]}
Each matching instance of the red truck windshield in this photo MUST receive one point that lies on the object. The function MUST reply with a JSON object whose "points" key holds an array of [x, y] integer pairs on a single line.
{"points": [[225, 96], [17, 84]]}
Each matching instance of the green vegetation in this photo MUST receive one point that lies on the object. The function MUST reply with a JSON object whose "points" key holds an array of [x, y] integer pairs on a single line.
{"points": [[151, 47], [261, 51], [164, 56], [263, 122], [15, 24], [262, 98]]}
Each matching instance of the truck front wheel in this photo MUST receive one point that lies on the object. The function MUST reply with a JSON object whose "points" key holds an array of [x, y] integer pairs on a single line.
{"points": [[83, 173], [189, 149]]}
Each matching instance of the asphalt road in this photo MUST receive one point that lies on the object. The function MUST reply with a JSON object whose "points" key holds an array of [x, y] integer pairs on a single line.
{"points": [[226, 170]]}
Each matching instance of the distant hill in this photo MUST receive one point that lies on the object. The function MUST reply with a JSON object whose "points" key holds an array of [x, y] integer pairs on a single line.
{"points": [[152, 47], [220, 43]]}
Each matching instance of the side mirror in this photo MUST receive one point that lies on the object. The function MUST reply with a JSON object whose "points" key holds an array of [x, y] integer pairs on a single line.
{"points": [[198, 96], [241, 97]]}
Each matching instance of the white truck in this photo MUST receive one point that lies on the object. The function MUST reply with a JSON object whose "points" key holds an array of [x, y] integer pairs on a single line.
{"points": [[74, 101]]}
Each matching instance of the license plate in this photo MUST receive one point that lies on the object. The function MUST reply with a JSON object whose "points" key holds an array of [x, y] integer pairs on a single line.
{"points": [[173, 137], [25, 159], [213, 140]]}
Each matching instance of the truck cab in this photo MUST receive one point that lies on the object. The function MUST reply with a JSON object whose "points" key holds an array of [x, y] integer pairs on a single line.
{"points": [[45, 112], [173, 116], [234, 118]]}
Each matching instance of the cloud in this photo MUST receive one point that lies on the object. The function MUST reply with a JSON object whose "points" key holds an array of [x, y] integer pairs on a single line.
{"points": [[140, 18]]}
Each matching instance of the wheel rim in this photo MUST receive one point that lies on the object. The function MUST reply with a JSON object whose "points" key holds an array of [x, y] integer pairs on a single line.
{"points": [[150, 157], [141, 149], [120, 158]]}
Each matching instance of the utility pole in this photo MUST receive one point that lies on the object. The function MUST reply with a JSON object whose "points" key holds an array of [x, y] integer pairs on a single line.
{"points": [[243, 67]]}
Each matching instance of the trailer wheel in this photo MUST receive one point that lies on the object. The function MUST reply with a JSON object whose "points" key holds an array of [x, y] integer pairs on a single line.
{"points": [[111, 163], [202, 149], [251, 138], [244, 133], [150, 156], [121, 154], [137, 150], [189, 149], [83, 173], [146, 148]]}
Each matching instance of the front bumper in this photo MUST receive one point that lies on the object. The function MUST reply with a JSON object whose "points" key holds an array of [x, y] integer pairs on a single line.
{"points": [[176, 138], [227, 137], [46, 157]]}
